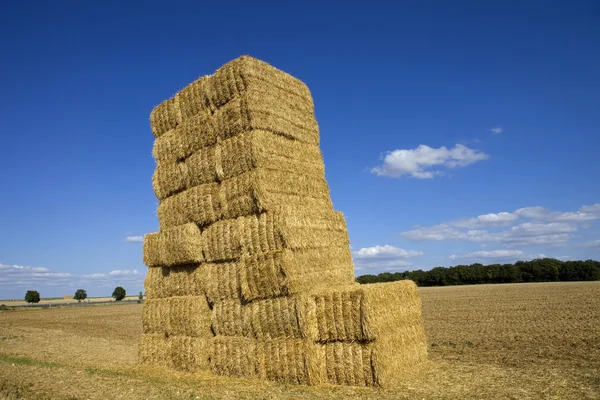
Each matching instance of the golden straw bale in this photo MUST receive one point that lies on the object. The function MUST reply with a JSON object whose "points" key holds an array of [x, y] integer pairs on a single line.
{"points": [[222, 281], [284, 317], [349, 363], [170, 178], [284, 272], [189, 353], [183, 280], [153, 349], [230, 318], [196, 98], [292, 361], [284, 227], [174, 246], [199, 205], [234, 356], [236, 156], [180, 315], [245, 73], [260, 109], [165, 117], [264, 190]]}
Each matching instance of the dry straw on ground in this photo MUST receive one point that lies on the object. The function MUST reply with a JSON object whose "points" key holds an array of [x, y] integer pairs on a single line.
{"points": [[175, 246]]}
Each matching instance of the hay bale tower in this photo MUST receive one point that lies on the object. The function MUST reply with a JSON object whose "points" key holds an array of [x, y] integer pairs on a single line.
{"points": [[250, 274]]}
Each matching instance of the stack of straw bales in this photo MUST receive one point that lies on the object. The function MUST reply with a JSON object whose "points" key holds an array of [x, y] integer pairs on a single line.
{"points": [[251, 273]]}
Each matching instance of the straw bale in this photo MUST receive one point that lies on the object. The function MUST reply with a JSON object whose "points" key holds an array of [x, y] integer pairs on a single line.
{"points": [[199, 205], [284, 272], [183, 280], [195, 98], [377, 312], [265, 189], [165, 117], [349, 363], [170, 178], [236, 156], [189, 353], [284, 227], [175, 246], [180, 315], [153, 349], [246, 73], [222, 281], [292, 361], [283, 317], [262, 109], [234, 356], [230, 318]]}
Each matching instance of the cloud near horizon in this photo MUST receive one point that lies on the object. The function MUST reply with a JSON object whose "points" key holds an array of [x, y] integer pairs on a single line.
{"points": [[529, 226], [425, 162], [384, 257], [134, 239], [42, 279]]}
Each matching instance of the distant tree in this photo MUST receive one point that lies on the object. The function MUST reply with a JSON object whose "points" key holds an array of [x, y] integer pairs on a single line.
{"points": [[119, 293], [141, 296], [32, 296], [80, 294]]}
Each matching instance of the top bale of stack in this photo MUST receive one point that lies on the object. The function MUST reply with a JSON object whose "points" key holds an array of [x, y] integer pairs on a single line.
{"points": [[211, 92]]}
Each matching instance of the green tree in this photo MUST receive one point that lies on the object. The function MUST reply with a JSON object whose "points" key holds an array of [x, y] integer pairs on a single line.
{"points": [[32, 296], [80, 294], [119, 293], [141, 296]]}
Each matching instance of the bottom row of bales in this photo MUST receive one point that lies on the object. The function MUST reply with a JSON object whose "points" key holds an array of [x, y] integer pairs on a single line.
{"points": [[359, 335], [291, 361]]}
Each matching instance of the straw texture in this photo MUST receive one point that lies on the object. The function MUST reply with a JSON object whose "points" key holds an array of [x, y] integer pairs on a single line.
{"points": [[183, 280], [199, 205], [153, 349], [230, 318], [284, 227], [181, 315], [255, 110], [284, 272], [222, 281], [189, 353], [234, 356], [236, 156], [175, 246], [349, 363], [292, 361]]}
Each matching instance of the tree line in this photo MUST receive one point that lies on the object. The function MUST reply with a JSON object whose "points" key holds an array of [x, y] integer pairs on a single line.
{"points": [[538, 270]]}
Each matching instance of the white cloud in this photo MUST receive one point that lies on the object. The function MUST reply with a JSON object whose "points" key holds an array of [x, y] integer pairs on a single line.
{"points": [[585, 213], [134, 239], [499, 219], [386, 251], [493, 255], [384, 257], [593, 209], [497, 130], [420, 163], [14, 278], [124, 272], [446, 232]]}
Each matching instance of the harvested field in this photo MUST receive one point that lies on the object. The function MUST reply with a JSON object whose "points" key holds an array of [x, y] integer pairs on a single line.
{"points": [[519, 341]]}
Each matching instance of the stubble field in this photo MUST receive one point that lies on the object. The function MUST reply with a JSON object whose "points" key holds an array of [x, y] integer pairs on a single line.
{"points": [[515, 341]]}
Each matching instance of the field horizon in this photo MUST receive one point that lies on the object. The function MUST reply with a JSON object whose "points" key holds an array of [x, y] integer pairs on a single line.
{"points": [[540, 340]]}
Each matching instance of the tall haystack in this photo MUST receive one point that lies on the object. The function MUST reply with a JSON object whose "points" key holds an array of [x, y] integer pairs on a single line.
{"points": [[250, 274]]}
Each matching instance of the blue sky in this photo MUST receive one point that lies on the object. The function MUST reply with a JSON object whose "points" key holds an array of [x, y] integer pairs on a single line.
{"points": [[452, 132]]}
